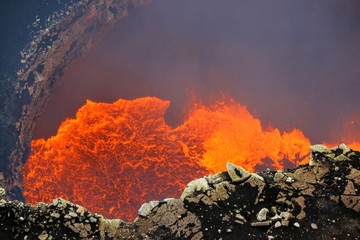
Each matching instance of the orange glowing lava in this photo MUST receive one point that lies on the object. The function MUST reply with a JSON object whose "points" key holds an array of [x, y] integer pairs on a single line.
{"points": [[113, 157]]}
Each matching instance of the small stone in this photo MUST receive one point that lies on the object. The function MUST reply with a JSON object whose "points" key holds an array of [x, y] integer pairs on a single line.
{"points": [[276, 217], [73, 214], [289, 180], [228, 230], [277, 224], [240, 217], [43, 236], [261, 224], [80, 210], [261, 216], [270, 237], [226, 218], [285, 223], [296, 224], [285, 215], [314, 226], [237, 173], [273, 210], [219, 230], [55, 215], [93, 220]]}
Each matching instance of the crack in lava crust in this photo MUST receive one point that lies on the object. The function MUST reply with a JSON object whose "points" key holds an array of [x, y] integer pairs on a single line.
{"points": [[113, 157]]}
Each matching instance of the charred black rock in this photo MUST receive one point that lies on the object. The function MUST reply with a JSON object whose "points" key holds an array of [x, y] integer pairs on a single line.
{"points": [[319, 200]]}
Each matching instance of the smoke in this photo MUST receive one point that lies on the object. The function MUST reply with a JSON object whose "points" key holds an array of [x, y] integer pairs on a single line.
{"points": [[293, 63]]}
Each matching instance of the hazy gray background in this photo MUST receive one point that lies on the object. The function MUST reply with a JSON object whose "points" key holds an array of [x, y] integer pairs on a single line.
{"points": [[293, 63]]}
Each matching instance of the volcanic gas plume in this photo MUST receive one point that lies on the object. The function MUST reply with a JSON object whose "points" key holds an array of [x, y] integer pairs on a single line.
{"points": [[113, 157]]}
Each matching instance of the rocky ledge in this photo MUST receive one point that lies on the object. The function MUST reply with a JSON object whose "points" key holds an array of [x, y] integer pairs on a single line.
{"points": [[319, 200]]}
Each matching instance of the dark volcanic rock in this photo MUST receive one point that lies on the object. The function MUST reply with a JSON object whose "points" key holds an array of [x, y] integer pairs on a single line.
{"points": [[319, 200]]}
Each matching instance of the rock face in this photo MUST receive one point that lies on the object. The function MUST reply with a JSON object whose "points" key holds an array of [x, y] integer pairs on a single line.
{"points": [[43, 40], [319, 200]]}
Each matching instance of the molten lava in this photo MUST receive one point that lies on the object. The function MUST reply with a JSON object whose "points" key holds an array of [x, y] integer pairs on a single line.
{"points": [[113, 157]]}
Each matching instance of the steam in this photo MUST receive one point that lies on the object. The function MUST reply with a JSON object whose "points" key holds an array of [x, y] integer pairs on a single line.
{"points": [[295, 64]]}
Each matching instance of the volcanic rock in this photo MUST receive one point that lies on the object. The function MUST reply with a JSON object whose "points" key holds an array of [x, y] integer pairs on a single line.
{"points": [[261, 216], [236, 173], [321, 202]]}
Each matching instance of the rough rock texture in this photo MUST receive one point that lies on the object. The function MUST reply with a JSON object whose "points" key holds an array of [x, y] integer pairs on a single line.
{"points": [[319, 200], [31, 67]]}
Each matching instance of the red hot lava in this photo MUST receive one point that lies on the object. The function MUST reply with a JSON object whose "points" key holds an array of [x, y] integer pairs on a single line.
{"points": [[113, 157]]}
